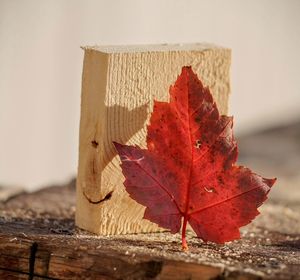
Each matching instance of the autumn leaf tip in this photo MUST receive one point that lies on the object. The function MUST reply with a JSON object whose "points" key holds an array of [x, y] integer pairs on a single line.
{"points": [[117, 145], [270, 182], [186, 69]]}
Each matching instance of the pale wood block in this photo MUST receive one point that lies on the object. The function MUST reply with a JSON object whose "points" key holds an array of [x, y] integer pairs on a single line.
{"points": [[119, 85]]}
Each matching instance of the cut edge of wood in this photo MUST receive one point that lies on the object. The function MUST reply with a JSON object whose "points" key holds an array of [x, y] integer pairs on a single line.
{"points": [[110, 49], [89, 164]]}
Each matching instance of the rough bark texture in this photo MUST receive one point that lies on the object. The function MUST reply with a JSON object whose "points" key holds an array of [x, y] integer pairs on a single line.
{"points": [[119, 85]]}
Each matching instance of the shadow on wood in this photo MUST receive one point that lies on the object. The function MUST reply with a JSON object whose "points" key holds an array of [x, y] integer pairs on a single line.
{"points": [[121, 125], [129, 123]]}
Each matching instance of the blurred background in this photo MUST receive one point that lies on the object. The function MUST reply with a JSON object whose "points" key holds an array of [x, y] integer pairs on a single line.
{"points": [[41, 67]]}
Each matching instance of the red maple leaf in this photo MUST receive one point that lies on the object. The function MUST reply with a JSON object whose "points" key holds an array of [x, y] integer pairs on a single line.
{"points": [[188, 169]]}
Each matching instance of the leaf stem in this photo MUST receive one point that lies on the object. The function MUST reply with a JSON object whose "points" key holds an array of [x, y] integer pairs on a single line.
{"points": [[183, 239]]}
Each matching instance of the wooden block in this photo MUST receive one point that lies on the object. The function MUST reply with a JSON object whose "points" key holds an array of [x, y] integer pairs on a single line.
{"points": [[119, 85]]}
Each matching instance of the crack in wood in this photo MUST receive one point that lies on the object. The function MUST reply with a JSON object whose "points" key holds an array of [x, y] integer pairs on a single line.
{"points": [[33, 250], [152, 268], [107, 197], [17, 274]]}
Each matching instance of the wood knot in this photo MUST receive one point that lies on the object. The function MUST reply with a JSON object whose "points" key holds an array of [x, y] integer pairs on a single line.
{"points": [[94, 144]]}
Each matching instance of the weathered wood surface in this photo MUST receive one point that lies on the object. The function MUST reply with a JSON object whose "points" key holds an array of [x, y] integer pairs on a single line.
{"points": [[119, 85], [39, 240]]}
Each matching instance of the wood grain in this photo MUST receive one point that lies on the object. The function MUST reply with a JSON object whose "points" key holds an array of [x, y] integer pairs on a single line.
{"points": [[119, 85]]}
